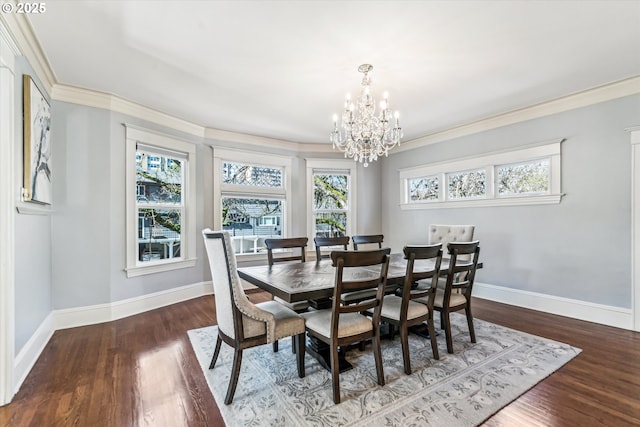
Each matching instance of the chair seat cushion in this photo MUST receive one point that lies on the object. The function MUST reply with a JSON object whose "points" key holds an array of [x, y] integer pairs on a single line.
{"points": [[350, 323], [288, 322], [455, 300], [391, 308], [298, 306]]}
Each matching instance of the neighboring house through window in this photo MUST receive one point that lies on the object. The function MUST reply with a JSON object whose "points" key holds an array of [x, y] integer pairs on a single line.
{"points": [[251, 197]]}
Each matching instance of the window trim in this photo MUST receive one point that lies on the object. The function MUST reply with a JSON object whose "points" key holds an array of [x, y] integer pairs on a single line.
{"points": [[233, 190], [488, 162], [135, 135], [337, 166]]}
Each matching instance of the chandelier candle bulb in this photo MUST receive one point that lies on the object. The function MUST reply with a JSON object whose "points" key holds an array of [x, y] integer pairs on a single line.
{"points": [[363, 135]]}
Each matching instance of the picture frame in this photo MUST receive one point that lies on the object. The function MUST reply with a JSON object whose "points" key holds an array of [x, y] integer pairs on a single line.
{"points": [[37, 179]]}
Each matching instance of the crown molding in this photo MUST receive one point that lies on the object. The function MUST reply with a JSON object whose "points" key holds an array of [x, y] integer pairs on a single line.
{"points": [[92, 98], [244, 138], [585, 98], [27, 43]]}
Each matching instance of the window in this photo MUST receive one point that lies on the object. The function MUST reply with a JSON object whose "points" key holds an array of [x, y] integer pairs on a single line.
{"points": [[252, 194], [467, 185], [331, 195], [424, 189], [530, 175], [160, 188], [523, 178]]}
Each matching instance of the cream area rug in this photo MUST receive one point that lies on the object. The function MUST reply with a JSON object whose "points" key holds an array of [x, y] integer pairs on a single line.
{"points": [[460, 389]]}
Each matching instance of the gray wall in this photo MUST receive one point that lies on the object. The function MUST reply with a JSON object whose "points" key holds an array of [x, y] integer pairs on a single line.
{"points": [[578, 249], [33, 249], [89, 221]]}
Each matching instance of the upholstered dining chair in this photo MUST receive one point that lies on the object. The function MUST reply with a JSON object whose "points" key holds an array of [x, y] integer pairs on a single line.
{"points": [[329, 242], [367, 239], [460, 277], [445, 234], [295, 244], [344, 324], [242, 324], [404, 311]]}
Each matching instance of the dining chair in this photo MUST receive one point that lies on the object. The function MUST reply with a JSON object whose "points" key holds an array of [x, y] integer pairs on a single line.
{"points": [[377, 239], [445, 234], [343, 324], [328, 242], [460, 277], [242, 324], [414, 306], [294, 244], [367, 239]]}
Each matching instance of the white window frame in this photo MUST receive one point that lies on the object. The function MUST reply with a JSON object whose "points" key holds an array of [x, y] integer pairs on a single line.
{"points": [[221, 155], [489, 162], [135, 134], [336, 166]]}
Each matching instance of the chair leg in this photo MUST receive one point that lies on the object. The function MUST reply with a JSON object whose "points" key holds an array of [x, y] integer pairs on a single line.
{"points": [[215, 353], [472, 331], [441, 319], [335, 374], [233, 381], [404, 338], [300, 350], [377, 355], [432, 336], [447, 330], [293, 345], [275, 346]]}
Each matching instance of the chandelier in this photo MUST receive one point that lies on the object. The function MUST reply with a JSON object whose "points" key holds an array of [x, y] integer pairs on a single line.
{"points": [[361, 134]]}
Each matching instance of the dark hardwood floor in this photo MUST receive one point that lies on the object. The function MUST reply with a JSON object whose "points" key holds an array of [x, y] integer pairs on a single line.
{"points": [[141, 371]]}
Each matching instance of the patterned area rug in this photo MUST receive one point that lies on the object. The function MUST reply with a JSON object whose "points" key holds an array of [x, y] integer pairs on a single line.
{"points": [[460, 389]]}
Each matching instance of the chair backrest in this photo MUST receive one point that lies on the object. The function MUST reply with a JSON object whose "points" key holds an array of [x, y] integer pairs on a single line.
{"points": [[322, 242], [365, 239], [345, 282], [445, 234], [238, 318], [461, 272], [290, 243], [415, 273]]}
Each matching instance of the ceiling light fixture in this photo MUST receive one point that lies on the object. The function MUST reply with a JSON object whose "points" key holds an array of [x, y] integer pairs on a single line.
{"points": [[362, 135]]}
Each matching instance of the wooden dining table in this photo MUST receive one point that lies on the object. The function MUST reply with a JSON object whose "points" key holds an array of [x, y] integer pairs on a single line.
{"points": [[315, 281]]}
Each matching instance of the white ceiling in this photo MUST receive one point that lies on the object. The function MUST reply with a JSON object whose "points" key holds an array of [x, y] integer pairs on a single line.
{"points": [[280, 69]]}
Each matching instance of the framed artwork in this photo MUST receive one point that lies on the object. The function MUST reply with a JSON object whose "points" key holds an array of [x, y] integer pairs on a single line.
{"points": [[37, 144]]}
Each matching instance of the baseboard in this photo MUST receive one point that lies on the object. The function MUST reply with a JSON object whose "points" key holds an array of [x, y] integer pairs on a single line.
{"points": [[597, 313], [29, 353], [82, 316]]}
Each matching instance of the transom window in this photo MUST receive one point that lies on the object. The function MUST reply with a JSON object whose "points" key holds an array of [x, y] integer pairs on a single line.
{"points": [[529, 175]]}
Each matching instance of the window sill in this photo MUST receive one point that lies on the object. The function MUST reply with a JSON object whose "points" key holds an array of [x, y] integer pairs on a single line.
{"points": [[548, 199], [141, 270]]}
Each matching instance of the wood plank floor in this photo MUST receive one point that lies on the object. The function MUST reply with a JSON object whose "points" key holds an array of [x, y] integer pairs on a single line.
{"points": [[141, 371]]}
